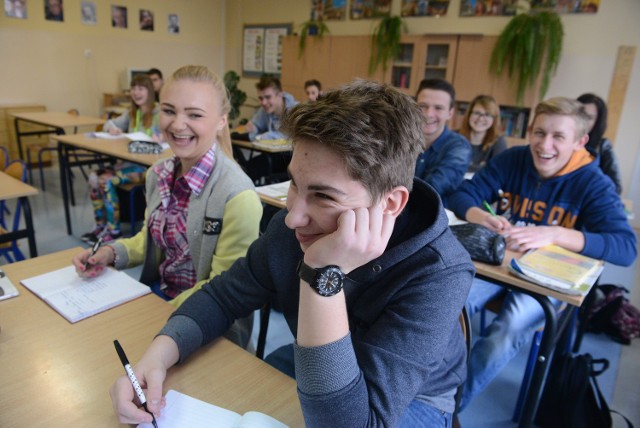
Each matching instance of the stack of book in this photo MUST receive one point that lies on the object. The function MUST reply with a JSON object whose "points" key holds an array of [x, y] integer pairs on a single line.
{"points": [[558, 269]]}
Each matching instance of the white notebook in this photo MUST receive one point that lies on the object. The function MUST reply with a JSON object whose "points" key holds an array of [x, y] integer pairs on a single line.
{"points": [[76, 299], [185, 411]]}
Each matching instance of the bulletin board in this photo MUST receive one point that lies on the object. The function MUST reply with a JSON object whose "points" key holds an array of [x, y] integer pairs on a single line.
{"points": [[262, 48]]}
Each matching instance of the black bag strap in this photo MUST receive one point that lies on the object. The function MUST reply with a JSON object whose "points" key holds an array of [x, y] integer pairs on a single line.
{"points": [[603, 402]]}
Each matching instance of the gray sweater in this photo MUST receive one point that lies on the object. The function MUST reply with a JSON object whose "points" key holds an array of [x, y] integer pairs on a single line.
{"points": [[405, 342]]}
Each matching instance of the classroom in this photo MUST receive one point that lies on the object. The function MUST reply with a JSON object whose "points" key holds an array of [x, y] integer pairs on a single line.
{"points": [[73, 64]]}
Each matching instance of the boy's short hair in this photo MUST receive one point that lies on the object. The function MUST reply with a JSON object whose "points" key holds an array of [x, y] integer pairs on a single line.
{"points": [[155, 71], [438, 85], [374, 128], [562, 106], [313, 82], [269, 82]]}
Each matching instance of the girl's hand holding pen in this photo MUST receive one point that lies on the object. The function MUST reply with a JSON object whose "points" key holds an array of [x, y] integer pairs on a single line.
{"points": [[90, 266]]}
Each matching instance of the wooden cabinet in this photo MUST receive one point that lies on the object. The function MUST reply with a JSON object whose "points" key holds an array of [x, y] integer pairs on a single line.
{"points": [[422, 57], [333, 60], [8, 130], [114, 104], [461, 59]]}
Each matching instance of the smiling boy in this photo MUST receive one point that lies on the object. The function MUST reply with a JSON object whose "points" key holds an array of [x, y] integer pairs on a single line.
{"points": [[555, 185], [265, 124], [367, 273], [448, 154]]}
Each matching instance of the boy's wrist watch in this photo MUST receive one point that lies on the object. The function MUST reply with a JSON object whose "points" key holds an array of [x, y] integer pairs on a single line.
{"points": [[326, 281]]}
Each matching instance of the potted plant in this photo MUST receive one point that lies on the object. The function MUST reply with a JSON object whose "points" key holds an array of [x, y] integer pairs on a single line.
{"points": [[530, 44], [237, 97], [312, 27], [385, 41]]}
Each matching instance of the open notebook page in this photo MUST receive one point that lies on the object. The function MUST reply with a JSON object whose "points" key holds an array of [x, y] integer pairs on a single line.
{"points": [[182, 410]]}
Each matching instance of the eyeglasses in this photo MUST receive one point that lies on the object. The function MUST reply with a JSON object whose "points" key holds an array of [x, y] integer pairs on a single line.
{"points": [[482, 115]]}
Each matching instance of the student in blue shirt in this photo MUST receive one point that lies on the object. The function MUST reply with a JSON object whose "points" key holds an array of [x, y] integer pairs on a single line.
{"points": [[448, 154], [551, 191]]}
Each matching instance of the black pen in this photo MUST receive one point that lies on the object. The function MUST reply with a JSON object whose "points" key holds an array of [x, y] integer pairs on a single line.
{"points": [[94, 250], [132, 378]]}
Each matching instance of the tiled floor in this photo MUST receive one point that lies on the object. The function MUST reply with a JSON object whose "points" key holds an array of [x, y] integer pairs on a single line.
{"points": [[491, 409]]}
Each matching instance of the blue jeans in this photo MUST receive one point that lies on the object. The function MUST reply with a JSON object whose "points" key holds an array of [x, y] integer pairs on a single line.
{"points": [[417, 415], [422, 415], [513, 327]]}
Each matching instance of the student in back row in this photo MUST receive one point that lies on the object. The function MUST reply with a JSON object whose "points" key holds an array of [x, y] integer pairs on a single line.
{"points": [[265, 124], [202, 210], [142, 116], [313, 89], [481, 127], [598, 145], [553, 193], [447, 155], [368, 275]]}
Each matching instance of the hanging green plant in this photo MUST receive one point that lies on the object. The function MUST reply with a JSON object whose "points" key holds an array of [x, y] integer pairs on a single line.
{"points": [[528, 45], [385, 42], [237, 97], [311, 27]]}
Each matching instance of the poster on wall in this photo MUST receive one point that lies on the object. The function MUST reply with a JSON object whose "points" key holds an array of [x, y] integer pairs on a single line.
{"points": [[146, 20], [328, 10], [53, 10], [173, 26], [369, 9], [262, 49], [88, 12], [508, 7], [15, 9], [424, 8]]}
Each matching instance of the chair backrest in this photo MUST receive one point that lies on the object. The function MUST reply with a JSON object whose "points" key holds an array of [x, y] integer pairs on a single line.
{"points": [[18, 170], [73, 112], [465, 325]]}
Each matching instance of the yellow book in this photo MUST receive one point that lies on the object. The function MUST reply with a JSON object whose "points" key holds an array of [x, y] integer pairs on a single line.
{"points": [[562, 270]]}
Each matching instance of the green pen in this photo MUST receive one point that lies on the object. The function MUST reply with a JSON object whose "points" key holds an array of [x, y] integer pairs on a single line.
{"points": [[488, 207]]}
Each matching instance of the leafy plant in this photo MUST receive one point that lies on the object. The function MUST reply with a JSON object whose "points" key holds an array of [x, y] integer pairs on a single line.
{"points": [[385, 42], [237, 97], [311, 27], [528, 45]]}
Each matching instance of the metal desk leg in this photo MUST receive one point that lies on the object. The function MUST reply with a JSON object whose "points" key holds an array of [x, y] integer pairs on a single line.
{"points": [[28, 220], [63, 184], [542, 362], [18, 137]]}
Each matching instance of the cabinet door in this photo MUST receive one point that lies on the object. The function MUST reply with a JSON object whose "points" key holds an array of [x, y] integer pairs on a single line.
{"points": [[439, 57]]}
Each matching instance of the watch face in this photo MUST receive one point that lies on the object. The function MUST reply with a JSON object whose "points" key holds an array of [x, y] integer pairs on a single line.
{"points": [[330, 281]]}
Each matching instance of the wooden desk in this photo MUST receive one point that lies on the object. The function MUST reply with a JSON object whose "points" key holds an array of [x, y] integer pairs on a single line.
{"points": [[58, 374], [10, 188], [117, 149], [251, 145], [58, 121], [554, 331], [272, 194]]}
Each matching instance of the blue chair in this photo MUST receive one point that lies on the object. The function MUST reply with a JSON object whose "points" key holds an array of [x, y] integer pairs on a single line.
{"points": [[9, 250]]}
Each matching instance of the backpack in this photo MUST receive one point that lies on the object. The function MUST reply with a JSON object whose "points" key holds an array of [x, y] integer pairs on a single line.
{"points": [[569, 399], [614, 315]]}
